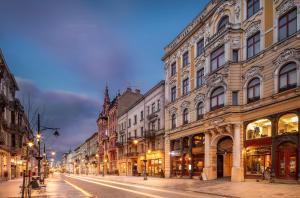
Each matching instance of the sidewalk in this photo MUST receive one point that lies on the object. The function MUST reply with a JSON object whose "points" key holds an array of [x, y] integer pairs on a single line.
{"points": [[221, 187], [56, 188]]}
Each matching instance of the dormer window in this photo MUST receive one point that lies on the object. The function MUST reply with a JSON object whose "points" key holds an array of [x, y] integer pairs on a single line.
{"points": [[223, 22]]}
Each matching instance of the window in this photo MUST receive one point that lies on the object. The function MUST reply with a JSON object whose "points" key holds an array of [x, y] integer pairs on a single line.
{"points": [[287, 24], [185, 59], [158, 124], [288, 123], [200, 110], [223, 22], [235, 55], [217, 59], [252, 7], [129, 123], [185, 116], [200, 47], [153, 107], [135, 133], [142, 115], [288, 77], [200, 75], [142, 131], [259, 129], [235, 98], [217, 98], [173, 69], [135, 119], [148, 110], [173, 93], [185, 86], [253, 90], [129, 134], [253, 45], [158, 105], [13, 140], [173, 121]]}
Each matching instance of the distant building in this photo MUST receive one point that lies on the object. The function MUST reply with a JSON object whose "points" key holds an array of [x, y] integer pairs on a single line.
{"points": [[107, 127], [141, 135], [14, 126]]}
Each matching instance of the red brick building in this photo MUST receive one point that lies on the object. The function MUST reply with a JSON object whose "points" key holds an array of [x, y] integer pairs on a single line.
{"points": [[107, 127]]}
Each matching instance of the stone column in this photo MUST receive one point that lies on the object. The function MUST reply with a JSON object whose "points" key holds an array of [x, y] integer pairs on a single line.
{"points": [[298, 147], [181, 155], [207, 157], [237, 170], [274, 149], [167, 157]]}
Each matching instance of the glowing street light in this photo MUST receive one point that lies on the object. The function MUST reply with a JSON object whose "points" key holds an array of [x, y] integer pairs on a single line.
{"points": [[30, 144], [135, 141], [53, 153]]}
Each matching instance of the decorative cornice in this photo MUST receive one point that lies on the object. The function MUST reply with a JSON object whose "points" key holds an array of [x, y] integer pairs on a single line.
{"points": [[199, 98], [184, 105], [172, 110], [253, 71], [285, 56], [253, 28], [284, 7]]}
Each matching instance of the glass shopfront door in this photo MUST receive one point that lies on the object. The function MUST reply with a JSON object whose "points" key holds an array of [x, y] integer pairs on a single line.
{"points": [[287, 161]]}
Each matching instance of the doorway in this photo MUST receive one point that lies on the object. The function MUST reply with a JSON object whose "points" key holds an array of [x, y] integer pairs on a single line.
{"points": [[287, 161], [224, 157]]}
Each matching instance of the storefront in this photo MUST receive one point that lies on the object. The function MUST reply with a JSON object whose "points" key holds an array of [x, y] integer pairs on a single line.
{"points": [[258, 146], [187, 156], [155, 163], [278, 156]]}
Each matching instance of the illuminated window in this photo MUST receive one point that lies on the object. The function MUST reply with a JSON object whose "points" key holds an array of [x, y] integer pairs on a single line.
{"points": [[288, 123], [259, 129]]}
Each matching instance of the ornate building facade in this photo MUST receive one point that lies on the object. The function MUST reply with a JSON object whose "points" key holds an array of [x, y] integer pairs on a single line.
{"points": [[14, 126], [141, 135], [107, 128], [233, 92]]}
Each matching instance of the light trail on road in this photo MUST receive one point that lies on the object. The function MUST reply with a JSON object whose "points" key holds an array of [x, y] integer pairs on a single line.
{"points": [[79, 189], [119, 188], [134, 185]]}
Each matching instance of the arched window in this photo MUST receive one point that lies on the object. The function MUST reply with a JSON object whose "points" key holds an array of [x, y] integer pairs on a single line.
{"points": [[253, 90], [200, 110], [185, 116], [173, 121], [288, 123], [223, 22], [259, 129], [288, 77], [217, 98]]}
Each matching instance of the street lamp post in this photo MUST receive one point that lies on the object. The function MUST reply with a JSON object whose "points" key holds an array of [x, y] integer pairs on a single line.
{"points": [[39, 137], [25, 173]]}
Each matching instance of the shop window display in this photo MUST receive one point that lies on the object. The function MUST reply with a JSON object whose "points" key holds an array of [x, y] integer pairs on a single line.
{"points": [[288, 123], [259, 129], [258, 160]]}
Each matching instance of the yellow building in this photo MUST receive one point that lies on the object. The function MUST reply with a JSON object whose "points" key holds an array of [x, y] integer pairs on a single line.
{"points": [[233, 92]]}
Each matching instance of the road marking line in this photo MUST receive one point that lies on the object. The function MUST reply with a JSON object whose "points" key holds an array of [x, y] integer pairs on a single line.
{"points": [[119, 188], [137, 186], [79, 189]]}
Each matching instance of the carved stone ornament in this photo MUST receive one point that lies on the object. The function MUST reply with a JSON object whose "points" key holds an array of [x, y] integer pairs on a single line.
{"points": [[199, 98], [172, 110], [285, 56], [200, 60], [215, 79], [172, 81], [253, 71], [235, 42], [216, 122], [237, 11], [184, 105], [253, 28], [284, 7]]}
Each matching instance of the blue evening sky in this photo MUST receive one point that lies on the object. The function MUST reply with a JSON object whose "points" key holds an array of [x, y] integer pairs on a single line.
{"points": [[70, 48]]}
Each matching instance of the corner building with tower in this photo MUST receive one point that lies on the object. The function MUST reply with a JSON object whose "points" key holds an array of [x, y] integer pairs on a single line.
{"points": [[232, 92]]}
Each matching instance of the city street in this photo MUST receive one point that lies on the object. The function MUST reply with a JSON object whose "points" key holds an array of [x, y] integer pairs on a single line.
{"points": [[64, 185]]}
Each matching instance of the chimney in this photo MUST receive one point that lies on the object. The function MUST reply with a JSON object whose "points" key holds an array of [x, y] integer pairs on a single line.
{"points": [[137, 91]]}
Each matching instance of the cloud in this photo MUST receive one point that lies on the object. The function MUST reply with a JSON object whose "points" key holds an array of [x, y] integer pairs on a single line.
{"points": [[73, 113]]}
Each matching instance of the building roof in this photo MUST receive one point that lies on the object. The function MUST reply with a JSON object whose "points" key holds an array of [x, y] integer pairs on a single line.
{"points": [[11, 76]]}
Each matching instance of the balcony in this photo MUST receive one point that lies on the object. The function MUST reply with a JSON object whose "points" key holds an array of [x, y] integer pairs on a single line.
{"points": [[153, 115], [150, 134], [132, 154], [119, 144]]}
